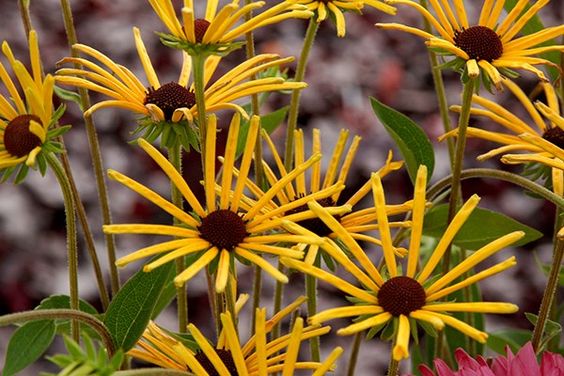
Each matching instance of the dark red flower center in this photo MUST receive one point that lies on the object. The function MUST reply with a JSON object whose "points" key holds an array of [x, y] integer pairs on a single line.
{"points": [[18, 139], [224, 355], [479, 42], [315, 225], [401, 296], [200, 28], [555, 135], [224, 229], [170, 97]]}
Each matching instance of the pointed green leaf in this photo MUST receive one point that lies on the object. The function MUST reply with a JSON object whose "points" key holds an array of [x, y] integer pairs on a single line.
{"points": [[482, 227], [514, 338], [27, 344], [130, 310], [412, 142]]}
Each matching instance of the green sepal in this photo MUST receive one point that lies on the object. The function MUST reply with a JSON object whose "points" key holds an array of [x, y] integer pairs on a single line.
{"points": [[171, 134], [68, 95], [199, 49], [58, 131], [59, 112]]}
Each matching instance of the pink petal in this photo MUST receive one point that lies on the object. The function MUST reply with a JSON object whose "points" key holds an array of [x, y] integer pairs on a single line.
{"points": [[425, 370], [525, 362], [442, 368], [465, 361], [552, 364], [500, 366]]}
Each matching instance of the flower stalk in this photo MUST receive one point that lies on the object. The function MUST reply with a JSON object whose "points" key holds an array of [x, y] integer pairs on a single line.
{"points": [[95, 153], [198, 67], [353, 359], [295, 99], [72, 249]]}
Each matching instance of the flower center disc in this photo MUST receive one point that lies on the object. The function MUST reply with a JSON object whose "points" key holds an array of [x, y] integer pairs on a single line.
{"points": [[224, 229], [170, 97], [479, 42], [224, 355], [315, 225], [554, 135], [18, 139], [401, 296], [200, 28]]}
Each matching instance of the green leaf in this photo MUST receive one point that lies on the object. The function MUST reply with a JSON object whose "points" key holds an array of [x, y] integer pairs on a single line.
{"points": [[412, 142], [534, 25], [268, 122], [68, 95], [27, 344], [514, 338], [63, 301], [482, 227], [130, 310]]}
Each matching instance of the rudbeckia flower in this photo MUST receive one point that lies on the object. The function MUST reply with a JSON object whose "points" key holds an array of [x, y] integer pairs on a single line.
{"points": [[413, 294], [25, 121], [491, 45], [326, 190], [173, 101], [541, 138], [336, 8], [215, 231], [257, 357], [220, 27]]}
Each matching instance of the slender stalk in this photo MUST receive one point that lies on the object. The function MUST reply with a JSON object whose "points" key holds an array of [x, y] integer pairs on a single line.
{"points": [[439, 88], [175, 158], [58, 314], [549, 293], [257, 291], [94, 152], [393, 368], [295, 100], [311, 293], [278, 295], [467, 93], [509, 177], [24, 12], [354, 353], [198, 64], [72, 249], [213, 300]]}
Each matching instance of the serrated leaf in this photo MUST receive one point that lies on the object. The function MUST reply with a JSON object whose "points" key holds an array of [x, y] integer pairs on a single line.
{"points": [[412, 142], [268, 122], [514, 338], [482, 227], [27, 344], [130, 310]]}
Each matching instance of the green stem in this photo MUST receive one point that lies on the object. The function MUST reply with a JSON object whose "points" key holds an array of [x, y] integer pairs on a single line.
{"points": [[26, 19], [198, 64], [439, 88], [311, 293], [58, 314], [215, 304], [354, 353], [549, 294], [72, 250], [175, 158], [509, 177], [393, 368], [257, 290], [94, 152], [278, 294], [467, 93], [295, 100]]}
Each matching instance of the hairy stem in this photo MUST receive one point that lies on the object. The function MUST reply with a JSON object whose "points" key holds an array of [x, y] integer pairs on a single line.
{"points": [[95, 153], [354, 353], [295, 100]]}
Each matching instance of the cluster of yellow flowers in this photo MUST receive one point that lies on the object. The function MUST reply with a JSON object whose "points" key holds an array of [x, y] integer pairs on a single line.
{"points": [[296, 213]]}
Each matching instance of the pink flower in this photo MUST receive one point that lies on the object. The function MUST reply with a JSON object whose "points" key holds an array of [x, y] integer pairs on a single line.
{"points": [[522, 364]]}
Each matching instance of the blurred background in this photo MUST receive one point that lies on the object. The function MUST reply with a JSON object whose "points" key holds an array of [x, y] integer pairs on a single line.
{"points": [[342, 73]]}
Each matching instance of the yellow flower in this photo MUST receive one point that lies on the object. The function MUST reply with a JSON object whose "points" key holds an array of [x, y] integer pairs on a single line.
{"points": [[542, 142], [257, 357], [219, 27], [489, 45], [25, 121], [217, 231], [337, 7], [292, 200], [412, 294], [173, 101]]}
